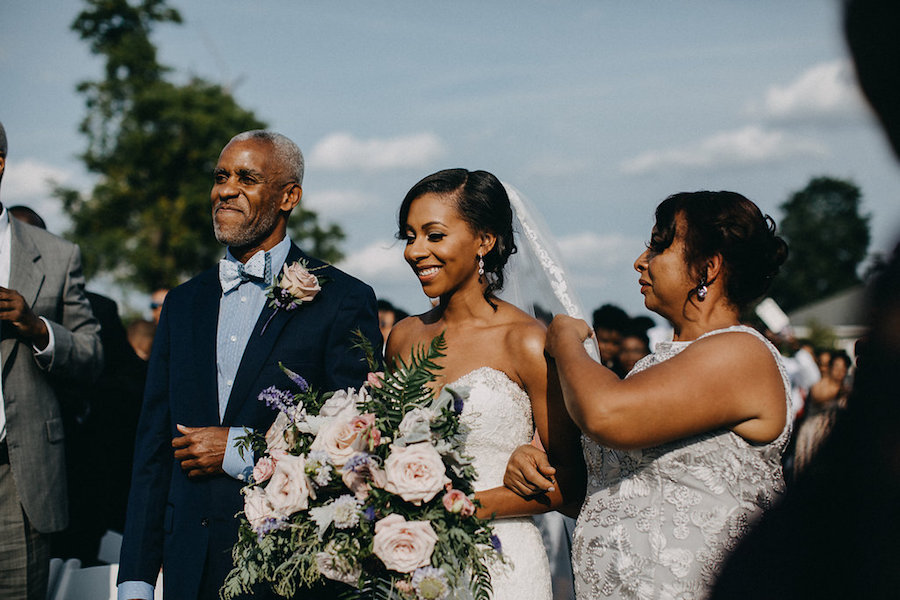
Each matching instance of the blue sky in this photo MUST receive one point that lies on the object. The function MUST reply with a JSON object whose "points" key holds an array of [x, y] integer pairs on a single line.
{"points": [[595, 110]]}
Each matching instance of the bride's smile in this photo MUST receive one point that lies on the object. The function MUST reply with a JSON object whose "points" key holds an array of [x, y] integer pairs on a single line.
{"points": [[441, 247]]}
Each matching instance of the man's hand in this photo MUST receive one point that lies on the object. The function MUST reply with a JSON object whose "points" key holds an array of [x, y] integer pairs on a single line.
{"points": [[528, 473], [201, 450], [28, 325]]}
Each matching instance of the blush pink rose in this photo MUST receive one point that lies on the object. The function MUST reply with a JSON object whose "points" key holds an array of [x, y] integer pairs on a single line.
{"points": [[416, 472], [289, 490], [458, 503], [402, 545], [257, 507], [342, 437], [299, 283], [375, 380], [263, 469]]}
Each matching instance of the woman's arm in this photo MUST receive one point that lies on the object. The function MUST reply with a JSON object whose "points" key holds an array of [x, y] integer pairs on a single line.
{"points": [[728, 380]]}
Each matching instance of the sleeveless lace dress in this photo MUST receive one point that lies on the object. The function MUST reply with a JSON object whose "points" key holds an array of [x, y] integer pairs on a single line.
{"points": [[496, 419], [657, 523]]}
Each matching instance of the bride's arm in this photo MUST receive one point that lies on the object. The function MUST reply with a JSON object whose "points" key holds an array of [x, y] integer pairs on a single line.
{"points": [[557, 432]]}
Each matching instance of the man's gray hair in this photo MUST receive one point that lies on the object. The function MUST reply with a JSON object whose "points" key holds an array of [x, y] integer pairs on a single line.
{"points": [[286, 151], [2, 140]]}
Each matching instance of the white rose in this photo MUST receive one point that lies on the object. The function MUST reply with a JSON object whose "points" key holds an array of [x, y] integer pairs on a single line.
{"points": [[289, 489], [298, 282], [415, 426], [275, 438], [415, 472], [257, 507], [342, 401], [402, 545]]}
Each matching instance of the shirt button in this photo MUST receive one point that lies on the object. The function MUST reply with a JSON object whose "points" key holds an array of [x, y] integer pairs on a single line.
{"points": [[243, 298], [234, 338], [228, 383]]}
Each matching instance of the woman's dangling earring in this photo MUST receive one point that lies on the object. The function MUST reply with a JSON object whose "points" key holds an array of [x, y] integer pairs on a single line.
{"points": [[480, 268], [702, 290]]}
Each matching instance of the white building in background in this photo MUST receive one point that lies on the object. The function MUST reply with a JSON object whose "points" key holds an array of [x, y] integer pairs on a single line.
{"points": [[843, 313]]}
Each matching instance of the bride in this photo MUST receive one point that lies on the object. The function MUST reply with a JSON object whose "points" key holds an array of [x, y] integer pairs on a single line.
{"points": [[458, 228]]}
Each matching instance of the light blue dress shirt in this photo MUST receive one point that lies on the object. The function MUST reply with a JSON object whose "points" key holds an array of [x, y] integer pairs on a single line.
{"points": [[239, 310]]}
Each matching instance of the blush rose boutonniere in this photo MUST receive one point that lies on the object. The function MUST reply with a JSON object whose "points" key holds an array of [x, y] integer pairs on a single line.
{"points": [[296, 286]]}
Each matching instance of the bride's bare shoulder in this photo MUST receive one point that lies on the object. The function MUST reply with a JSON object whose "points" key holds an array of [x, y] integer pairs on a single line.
{"points": [[525, 335], [406, 333]]}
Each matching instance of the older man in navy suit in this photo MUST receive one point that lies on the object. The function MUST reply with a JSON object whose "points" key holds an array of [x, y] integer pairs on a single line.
{"points": [[217, 346]]}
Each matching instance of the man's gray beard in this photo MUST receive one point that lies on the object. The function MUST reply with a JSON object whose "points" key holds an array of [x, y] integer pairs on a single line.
{"points": [[247, 237]]}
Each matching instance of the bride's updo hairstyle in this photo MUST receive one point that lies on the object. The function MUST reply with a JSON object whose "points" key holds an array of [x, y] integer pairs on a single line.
{"points": [[481, 202], [729, 224]]}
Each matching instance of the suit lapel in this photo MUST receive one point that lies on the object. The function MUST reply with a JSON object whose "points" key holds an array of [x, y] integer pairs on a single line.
{"points": [[25, 276], [259, 347], [205, 318]]}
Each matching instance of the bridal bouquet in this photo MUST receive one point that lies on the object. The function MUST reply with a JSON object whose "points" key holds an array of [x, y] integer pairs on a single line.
{"points": [[365, 492]]}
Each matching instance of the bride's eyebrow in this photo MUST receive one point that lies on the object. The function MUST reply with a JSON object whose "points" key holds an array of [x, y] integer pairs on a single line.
{"points": [[431, 223]]}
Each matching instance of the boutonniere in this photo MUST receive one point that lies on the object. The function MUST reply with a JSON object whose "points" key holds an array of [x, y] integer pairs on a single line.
{"points": [[296, 286]]}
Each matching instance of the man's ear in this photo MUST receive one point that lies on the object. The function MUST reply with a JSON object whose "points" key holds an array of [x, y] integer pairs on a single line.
{"points": [[291, 197]]}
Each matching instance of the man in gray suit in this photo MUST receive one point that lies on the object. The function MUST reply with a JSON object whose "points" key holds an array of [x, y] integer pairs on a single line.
{"points": [[47, 335]]}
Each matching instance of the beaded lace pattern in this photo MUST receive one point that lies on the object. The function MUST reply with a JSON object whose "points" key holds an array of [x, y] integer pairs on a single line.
{"points": [[496, 419], [657, 523]]}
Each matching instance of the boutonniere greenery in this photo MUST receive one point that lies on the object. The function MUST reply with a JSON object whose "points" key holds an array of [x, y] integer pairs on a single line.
{"points": [[296, 286]]}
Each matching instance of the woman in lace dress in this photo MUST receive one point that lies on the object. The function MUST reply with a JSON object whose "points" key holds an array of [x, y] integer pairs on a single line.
{"points": [[457, 226], [685, 452]]}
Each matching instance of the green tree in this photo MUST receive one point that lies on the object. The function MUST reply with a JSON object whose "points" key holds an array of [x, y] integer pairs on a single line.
{"points": [[153, 145], [827, 238]]}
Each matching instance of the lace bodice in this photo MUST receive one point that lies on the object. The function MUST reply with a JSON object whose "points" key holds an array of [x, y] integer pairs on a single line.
{"points": [[658, 522], [495, 420]]}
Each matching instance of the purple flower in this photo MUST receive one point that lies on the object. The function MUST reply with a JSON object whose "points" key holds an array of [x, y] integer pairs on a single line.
{"points": [[495, 543], [270, 525], [297, 379], [277, 399], [457, 402], [369, 513]]}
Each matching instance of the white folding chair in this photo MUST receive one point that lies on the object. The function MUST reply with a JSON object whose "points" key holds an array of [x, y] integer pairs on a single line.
{"points": [[92, 583]]}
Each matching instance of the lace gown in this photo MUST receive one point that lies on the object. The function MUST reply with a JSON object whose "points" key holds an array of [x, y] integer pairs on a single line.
{"points": [[497, 419], [657, 523]]}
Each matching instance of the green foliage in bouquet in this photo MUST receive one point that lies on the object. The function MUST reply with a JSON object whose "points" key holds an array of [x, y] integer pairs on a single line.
{"points": [[332, 505]]}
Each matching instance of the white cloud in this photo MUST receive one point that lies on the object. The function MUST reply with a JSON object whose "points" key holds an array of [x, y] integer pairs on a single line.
{"points": [[29, 182], [30, 179], [380, 261], [751, 145], [339, 202], [589, 250], [824, 91], [343, 151]]}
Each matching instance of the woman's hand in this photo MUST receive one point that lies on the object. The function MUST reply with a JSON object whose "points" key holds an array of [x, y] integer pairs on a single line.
{"points": [[565, 331]]}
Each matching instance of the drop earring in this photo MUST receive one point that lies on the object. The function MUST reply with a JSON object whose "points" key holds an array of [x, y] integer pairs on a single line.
{"points": [[702, 289], [480, 268]]}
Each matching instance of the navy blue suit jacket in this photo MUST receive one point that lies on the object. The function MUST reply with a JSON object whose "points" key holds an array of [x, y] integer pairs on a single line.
{"points": [[172, 520]]}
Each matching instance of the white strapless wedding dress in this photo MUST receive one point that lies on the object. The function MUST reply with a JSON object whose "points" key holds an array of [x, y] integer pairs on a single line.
{"points": [[497, 419]]}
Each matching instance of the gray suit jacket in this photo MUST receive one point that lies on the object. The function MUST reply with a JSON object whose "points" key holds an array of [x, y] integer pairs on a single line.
{"points": [[46, 270]]}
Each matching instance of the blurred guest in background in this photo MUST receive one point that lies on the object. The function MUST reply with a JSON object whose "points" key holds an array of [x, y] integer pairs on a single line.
{"points": [[825, 399], [49, 336], [635, 344], [609, 321], [100, 421], [156, 301], [140, 336], [388, 316]]}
